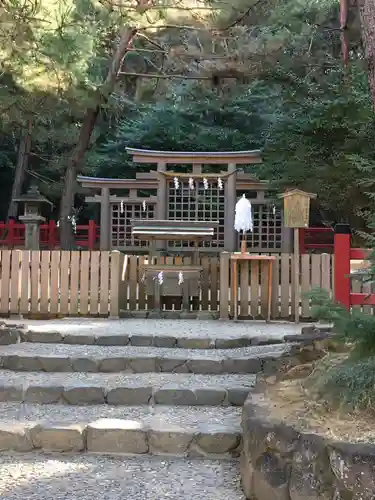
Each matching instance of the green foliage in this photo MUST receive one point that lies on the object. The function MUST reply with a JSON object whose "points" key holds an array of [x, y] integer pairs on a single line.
{"points": [[345, 383], [353, 327], [199, 122]]}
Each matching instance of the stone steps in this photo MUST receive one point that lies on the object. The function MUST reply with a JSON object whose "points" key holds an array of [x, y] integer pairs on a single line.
{"points": [[94, 358], [36, 477], [139, 387], [147, 339], [125, 389], [183, 431]]}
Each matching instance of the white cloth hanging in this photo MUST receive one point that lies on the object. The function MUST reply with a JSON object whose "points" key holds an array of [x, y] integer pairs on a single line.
{"points": [[243, 220]]}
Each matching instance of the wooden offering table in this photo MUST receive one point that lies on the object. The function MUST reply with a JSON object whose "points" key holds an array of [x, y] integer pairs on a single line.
{"points": [[171, 287], [177, 280], [243, 256]]}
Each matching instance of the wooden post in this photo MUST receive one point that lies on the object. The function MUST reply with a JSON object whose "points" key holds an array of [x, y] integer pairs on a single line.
{"points": [[11, 233], [230, 206], [91, 236], [296, 275], [342, 265], [105, 223], [162, 203]]}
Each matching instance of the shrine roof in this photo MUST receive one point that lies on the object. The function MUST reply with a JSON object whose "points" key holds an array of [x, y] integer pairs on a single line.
{"points": [[195, 157]]}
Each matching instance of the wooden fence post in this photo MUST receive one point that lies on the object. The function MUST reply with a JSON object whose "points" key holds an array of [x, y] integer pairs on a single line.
{"points": [[91, 236], [11, 233], [115, 277], [342, 265], [224, 285]]}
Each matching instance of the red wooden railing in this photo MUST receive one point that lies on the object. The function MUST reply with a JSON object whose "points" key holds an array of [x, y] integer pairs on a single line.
{"points": [[316, 238], [12, 235], [342, 281]]}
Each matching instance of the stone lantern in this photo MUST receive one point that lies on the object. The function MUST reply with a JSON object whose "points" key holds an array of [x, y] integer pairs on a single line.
{"points": [[32, 218]]}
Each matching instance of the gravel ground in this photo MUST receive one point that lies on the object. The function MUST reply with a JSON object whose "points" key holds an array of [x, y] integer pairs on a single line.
{"points": [[185, 328], [77, 351], [112, 380], [56, 477], [189, 417]]}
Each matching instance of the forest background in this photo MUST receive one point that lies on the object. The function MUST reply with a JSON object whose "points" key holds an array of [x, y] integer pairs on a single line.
{"points": [[82, 79]]}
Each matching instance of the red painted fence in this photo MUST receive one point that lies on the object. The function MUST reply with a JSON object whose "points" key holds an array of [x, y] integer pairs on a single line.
{"points": [[316, 238], [12, 235], [342, 281]]}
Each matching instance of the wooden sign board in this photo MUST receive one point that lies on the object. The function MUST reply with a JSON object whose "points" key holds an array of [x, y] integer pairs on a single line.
{"points": [[297, 208]]}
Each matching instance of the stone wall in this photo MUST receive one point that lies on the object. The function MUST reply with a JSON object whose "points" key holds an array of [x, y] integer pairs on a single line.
{"points": [[280, 463]]}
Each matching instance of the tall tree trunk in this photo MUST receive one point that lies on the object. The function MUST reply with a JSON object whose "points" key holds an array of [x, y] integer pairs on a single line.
{"points": [[367, 16], [87, 128], [19, 174]]}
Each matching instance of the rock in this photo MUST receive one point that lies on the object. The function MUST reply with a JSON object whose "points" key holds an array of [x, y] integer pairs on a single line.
{"points": [[219, 442], [116, 436], [141, 340], [174, 396], [251, 365], [14, 437], [140, 314], [71, 338], [299, 371], [311, 477], [171, 365], [173, 440], [270, 478], [199, 343], [111, 365], [10, 393], [129, 396], [85, 365], [21, 363], [233, 343], [112, 340], [44, 337], [55, 437], [43, 395], [266, 341], [165, 341], [84, 395], [237, 396], [210, 397], [141, 365], [155, 315], [308, 354], [353, 466], [55, 363], [247, 472], [206, 366], [10, 336]]}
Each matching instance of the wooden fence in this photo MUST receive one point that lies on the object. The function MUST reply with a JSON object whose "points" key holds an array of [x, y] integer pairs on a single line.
{"points": [[59, 283], [62, 283], [316, 271]]}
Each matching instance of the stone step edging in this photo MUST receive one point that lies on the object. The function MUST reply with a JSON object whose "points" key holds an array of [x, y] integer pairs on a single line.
{"points": [[126, 395], [139, 364], [112, 436]]}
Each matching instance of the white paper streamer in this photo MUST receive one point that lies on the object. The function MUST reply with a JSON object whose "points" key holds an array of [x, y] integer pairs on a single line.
{"points": [[161, 277], [121, 207], [220, 183], [205, 183], [144, 205], [191, 183], [176, 183], [180, 278], [243, 220]]}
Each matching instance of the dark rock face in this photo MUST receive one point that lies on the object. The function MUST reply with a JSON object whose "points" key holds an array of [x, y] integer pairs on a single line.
{"points": [[280, 463]]}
